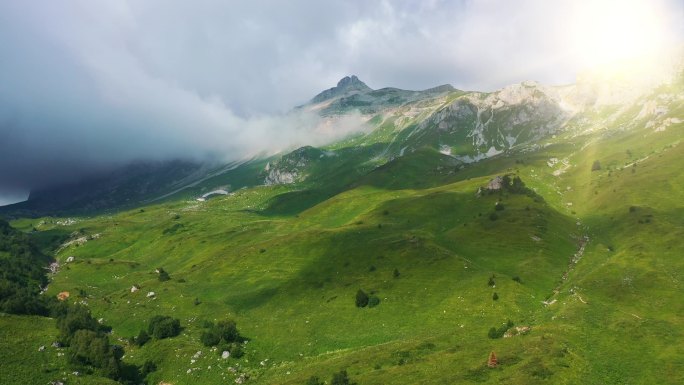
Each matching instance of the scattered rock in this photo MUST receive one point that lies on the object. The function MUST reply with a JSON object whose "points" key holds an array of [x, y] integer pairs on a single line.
{"points": [[151, 294], [134, 288], [495, 184], [63, 295], [225, 354]]}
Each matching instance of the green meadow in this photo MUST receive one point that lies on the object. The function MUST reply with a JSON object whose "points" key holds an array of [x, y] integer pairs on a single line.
{"points": [[586, 264]]}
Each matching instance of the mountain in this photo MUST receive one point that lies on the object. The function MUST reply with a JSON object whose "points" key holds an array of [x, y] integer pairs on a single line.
{"points": [[347, 86], [465, 126], [538, 225]]}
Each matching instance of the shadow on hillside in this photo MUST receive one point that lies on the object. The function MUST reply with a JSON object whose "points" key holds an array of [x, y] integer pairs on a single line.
{"points": [[423, 232]]}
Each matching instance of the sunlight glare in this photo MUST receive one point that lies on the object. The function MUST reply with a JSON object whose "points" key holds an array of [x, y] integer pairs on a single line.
{"points": [[607, 32]]}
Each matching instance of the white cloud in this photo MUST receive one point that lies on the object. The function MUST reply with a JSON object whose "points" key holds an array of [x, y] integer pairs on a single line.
{"points": [[89, 84]]}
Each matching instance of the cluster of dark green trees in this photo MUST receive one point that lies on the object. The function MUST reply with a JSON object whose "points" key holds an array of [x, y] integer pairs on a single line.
{"points": [[225, 335], [89, 348], [159, 327], [363, 299], [87, 340], [22, 273]]}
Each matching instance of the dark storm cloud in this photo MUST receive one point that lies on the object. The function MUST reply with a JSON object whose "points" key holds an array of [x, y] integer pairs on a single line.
{"points": [[85, 85]]}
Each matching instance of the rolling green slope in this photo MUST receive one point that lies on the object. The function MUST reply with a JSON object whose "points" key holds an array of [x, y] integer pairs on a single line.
{"points": [[584, 262]]}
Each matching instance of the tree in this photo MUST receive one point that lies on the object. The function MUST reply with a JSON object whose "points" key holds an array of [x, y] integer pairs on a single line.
{"points": [[361, 298], [76, 318], [492, 362], [163, 327], [89, 348], [225, 335]]}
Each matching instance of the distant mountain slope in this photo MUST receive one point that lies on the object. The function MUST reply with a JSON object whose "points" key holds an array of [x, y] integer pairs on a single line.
{"points": [[466, 126]]}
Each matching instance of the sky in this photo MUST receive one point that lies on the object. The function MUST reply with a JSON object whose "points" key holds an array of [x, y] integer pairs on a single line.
{"points": [[87, 85]]}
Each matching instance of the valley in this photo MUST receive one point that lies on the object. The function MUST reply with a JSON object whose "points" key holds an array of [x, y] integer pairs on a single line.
{"points": [[572, 257]]}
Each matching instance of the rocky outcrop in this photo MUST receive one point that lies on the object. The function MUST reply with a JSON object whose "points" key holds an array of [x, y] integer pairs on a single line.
{"points": [[348, 85], [292, 167]]}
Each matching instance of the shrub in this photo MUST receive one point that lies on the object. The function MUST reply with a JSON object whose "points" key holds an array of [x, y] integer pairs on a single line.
{"points": [[341, 378], [499, 332], [76, 318], [491, 281], [142, 338], [396, 273], [210, 338], [517, 279], [499, 206], [596, 166], [495, 297], [163, 275], [493, 216], [373, 301], [161, 327], [361, 298], [225, 335], [89, 348]]}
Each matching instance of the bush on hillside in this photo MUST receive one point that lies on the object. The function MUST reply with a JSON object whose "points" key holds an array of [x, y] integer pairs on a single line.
{"points": [[225, 336], [90, 348], [161, 327], [361, 298], [500, 331], [76, 317], [142, 338], [163, 275]]}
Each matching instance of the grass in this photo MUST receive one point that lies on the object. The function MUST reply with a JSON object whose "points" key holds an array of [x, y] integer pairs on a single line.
{"points": [[601, 248]]}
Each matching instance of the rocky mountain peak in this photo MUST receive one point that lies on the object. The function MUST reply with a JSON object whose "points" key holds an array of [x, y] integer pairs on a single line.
{"points": [[351, 82], [348, 85]]}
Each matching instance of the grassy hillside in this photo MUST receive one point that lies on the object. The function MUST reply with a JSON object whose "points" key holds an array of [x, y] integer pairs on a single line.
{"points": [[584, 263]]}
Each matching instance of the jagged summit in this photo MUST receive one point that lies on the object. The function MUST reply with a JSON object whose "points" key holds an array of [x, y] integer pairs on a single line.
{"points": [[348, 85], [352, 82]]}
